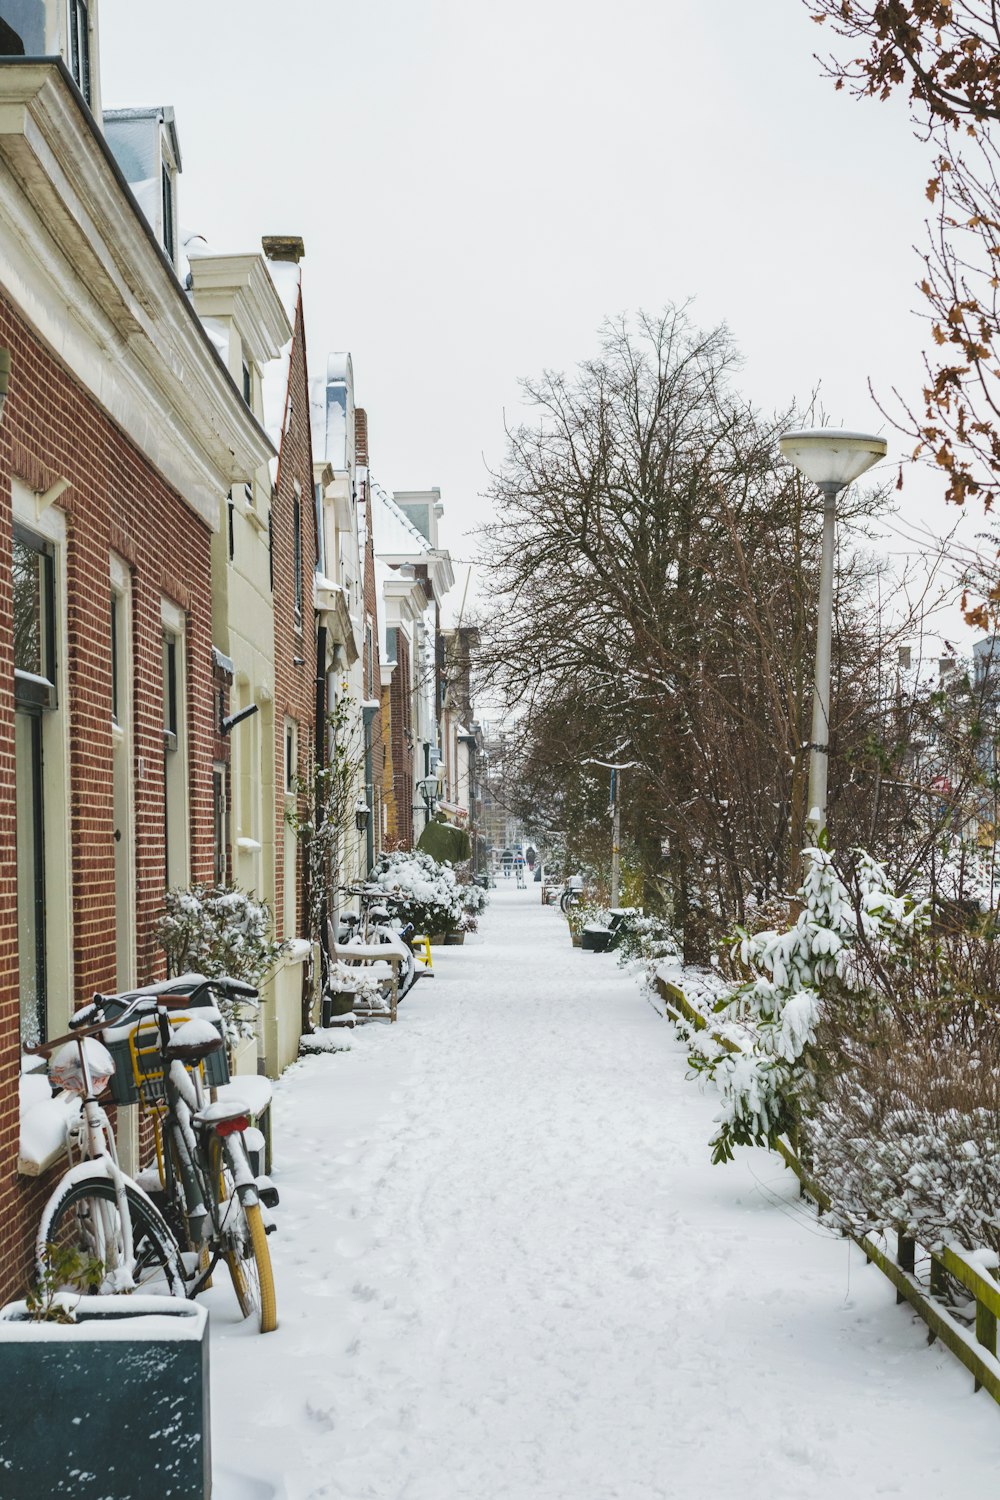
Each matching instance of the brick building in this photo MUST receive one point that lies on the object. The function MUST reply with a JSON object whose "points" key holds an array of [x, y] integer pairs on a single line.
{"points": [[121, 431]]}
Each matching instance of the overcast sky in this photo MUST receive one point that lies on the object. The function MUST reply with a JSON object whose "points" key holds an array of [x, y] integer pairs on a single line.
{"points": [[479, 185]]}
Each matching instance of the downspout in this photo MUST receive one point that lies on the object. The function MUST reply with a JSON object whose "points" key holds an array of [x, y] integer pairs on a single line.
{"points": [[320, 757], [368, 715]]}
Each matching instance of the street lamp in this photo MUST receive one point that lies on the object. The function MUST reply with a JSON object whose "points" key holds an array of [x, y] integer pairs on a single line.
{"points": [[832, 460], [615, 767]]}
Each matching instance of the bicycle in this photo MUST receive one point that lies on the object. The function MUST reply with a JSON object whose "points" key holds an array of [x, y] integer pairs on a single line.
{"points": [[213, 1205], [374, 926], [96, 1209], [572, 896]]}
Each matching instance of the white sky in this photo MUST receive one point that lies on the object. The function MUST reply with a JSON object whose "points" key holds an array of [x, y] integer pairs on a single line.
{"points": [[478, 185]]}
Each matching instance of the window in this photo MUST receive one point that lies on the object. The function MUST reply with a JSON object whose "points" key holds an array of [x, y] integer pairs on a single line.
{"points": [[168, 209], [34, 622], [123, 789], [320, 540], [175, 791], [232, 536], [290, 757], [22, 28], [369, 660], [247, 384], [290, 851], [34, 698], [79, 46], [297, 546], [220, 822]]}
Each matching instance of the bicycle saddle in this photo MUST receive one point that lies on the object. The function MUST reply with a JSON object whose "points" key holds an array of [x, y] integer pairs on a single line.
{"points": [[193, 1040]]}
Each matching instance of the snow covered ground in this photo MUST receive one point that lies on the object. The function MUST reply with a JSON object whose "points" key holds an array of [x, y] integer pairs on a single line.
{"points": [[507, 1270]]}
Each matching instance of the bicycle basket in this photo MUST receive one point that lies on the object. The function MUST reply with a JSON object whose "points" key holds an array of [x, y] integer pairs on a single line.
{"points": [[139, 1066]]}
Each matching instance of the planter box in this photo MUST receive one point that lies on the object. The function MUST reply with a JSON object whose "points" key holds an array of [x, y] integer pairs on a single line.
{"points": [[437, 939], [337, 1003], [116, 1403], [596, 939], [577, 939], [454, 939]]}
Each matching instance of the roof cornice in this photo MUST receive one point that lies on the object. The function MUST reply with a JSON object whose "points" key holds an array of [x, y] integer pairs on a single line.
{"points": [[240, 287], [75, 238]]}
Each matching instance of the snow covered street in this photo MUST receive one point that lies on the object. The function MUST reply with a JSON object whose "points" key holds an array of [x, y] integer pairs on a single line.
{"points": [[507, 1270]]}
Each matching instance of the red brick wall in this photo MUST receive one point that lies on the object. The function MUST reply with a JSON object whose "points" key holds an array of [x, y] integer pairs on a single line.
{"points": [[294, 686], [116, 501]]}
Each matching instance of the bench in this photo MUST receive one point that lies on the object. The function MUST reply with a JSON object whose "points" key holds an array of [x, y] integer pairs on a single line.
{"points": [[370, 955]]}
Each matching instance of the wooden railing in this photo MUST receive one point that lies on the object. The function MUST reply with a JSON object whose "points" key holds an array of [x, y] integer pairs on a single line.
{"points": [[975, 1347]]}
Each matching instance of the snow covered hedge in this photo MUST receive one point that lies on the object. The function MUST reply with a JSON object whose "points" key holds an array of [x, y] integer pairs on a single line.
{"points": [[430, 896], [792, 973], [219, 929], [873, 1037]]}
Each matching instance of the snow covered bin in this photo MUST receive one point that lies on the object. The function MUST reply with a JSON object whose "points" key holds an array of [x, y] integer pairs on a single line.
{"points": [[113, 1404], [596, 938]]}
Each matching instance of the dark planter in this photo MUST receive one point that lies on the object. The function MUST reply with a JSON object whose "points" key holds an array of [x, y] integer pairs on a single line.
{"points": [[341, 1002], [437, 939], [596, 939], [454, 939], [116, 1403]]}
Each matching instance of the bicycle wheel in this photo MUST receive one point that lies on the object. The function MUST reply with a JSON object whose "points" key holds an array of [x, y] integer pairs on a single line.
{"points": [[83, 1217], [246, 1252], [249, 1263]]}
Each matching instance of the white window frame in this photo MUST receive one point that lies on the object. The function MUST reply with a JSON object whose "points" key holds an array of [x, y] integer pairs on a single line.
{"points": [[123, 751], [48, 523], [176, 789]]}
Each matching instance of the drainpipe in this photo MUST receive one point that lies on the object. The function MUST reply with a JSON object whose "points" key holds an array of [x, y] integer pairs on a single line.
{"points": [[368, 715]]}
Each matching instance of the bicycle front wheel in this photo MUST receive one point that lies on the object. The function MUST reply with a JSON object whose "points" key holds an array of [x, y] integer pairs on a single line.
{"points": [[84, 1218], [249, 1261], [242, 1237]]}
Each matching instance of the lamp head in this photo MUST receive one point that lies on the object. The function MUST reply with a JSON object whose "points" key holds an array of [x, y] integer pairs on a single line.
{"points": [[831, 458]]}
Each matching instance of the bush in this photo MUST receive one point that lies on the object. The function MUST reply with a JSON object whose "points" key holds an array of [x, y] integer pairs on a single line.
{"points": [[428, 894], [215, 930]]}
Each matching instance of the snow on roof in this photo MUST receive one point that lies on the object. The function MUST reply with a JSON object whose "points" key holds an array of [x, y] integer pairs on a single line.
{"points": [[382, 575], [287, 278], [394, 534], [329, 401], [275, 375], [274, 378]]}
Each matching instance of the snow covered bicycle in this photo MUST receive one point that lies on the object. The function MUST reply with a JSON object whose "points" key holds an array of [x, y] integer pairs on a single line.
{"points": [[203, 1192], [97, 1210]]}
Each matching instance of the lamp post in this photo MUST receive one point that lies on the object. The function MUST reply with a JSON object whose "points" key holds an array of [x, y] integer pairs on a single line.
{"points": [[616, 820], [832, 459]]}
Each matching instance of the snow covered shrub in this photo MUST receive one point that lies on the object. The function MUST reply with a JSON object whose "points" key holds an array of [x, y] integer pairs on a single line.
{"points": [[429, 895], [215, 930], [353, 979], [475, 900], [793, 973], [906, 1135], [902, 1115], [648, 938]]}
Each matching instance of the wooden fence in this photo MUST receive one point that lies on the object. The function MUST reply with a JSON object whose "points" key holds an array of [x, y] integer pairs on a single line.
{"points": [[976, 1348]]}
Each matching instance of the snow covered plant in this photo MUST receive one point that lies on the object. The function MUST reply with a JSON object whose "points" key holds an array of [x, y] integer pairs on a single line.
{"points": [[353, 979], [905, 1133], [428, 894], [648, 938], [474, 900], [792, 974], [219, 929]]}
